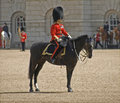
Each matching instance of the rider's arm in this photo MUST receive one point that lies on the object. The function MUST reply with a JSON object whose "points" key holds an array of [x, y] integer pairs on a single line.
{"points": [[65, 33], [56, 37]]}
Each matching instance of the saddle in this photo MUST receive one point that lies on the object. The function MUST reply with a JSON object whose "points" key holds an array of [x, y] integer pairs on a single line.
{"points": [[51, 47]]}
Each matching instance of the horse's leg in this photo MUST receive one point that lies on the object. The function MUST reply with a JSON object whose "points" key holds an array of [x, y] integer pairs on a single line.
{"points": [[31, 72], [2, 43], [119, 44], [10, 42], [6, 43], [31, 86], [39, 67], [69, 76], [105, 44]]}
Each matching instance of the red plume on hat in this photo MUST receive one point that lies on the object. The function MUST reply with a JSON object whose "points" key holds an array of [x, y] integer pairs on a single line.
{"points": [[57, 13]]}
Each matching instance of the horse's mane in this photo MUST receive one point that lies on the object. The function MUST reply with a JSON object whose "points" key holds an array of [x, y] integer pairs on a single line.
{"points": [[79, 37]]}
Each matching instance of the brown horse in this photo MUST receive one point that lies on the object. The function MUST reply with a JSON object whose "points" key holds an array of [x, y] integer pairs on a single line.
{"points": [[70, 58], [111, 37], [105, 37], [117, 36]]}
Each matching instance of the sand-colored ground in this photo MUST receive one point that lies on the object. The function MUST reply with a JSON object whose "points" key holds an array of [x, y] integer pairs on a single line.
{"points": [[97, 81]]}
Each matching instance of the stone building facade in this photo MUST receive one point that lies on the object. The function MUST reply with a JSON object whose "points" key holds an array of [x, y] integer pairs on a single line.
{"points": [[80, 17]]}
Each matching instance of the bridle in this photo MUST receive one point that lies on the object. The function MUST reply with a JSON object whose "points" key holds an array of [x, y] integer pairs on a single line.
{"points": [[83, 55]]}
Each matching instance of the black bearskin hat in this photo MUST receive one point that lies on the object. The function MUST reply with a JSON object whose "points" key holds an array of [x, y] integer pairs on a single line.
{"points": [[57, 13]]}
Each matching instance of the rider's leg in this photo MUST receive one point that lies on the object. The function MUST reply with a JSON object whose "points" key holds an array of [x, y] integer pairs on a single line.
{"points": [[100, 44], [58, 51], [55, 52], [96, 44]]}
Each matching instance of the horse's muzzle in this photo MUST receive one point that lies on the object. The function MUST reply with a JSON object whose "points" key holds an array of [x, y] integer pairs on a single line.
{"points": [[90, 56]]}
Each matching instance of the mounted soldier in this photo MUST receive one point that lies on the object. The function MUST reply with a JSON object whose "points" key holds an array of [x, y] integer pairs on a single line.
{"points": [[106, 27], [57, 31], [39, 55], [5, 28]]}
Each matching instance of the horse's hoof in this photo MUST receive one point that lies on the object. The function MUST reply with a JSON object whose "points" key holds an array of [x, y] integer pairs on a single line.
{"points": [[37, 90], [70, 90], [31, 90]]}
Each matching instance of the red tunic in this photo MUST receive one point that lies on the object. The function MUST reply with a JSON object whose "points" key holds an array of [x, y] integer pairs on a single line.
{"points": [[23, 36], [97, 37], [58, 30]]}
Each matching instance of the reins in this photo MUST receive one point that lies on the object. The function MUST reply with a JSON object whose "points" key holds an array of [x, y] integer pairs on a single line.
{"points": [[76, 51], [81, 57]]}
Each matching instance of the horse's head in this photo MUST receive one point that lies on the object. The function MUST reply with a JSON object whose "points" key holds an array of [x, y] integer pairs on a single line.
{"points": [[88, 48], [83, 43]]}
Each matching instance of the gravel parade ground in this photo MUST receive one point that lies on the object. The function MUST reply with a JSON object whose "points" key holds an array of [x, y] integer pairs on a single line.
{"points": [[96, 81]]}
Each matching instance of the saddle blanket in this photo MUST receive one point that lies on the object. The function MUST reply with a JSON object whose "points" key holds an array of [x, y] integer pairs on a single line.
{"points": [[50, 49]]}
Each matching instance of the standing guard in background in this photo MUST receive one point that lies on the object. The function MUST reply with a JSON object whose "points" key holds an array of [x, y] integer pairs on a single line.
{"points": [[57, 31], [23, 37], [98, 40]]}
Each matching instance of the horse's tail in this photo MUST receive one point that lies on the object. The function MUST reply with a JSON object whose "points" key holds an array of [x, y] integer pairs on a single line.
{"points": [[30, 69]]}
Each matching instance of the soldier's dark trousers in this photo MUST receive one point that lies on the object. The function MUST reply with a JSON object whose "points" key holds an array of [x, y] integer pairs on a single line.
{"points": [[23, 46]]}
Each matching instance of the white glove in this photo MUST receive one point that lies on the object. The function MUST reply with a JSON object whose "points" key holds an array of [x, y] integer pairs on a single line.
{"points": [[59, 40], [69, 36]]}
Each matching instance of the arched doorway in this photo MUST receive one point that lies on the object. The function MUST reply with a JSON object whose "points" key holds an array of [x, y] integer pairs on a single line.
{"points": [[113, 20], [18, 20], [113, 17]]}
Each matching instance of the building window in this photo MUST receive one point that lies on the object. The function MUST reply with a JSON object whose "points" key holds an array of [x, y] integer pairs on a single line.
{"points": [[20, 22], [113, 21]]}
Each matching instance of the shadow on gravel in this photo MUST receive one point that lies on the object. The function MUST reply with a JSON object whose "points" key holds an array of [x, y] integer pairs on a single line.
{"points": [[31, 92]]}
